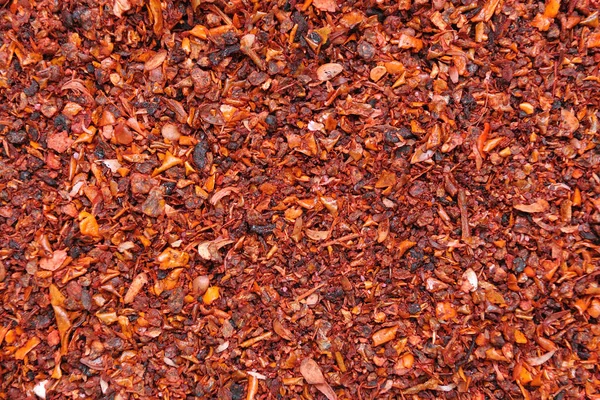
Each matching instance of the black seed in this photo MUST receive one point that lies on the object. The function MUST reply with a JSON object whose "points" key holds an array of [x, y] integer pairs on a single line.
{"points": [[99, 152], [365, 50], [199, 154], [49, 181], [17, 137], [271, 120], [315, 37], [262, 229], [391, 137], [414, 308], [61, 123], [32, 89], [25, 175], [169, 187], [230, 50], [519, 265], [407, 133], [75, 252]]}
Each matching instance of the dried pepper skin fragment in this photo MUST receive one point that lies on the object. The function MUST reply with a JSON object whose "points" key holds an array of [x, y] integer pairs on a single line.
{"points": [[154, 206], [246, 199], [212, 294], [88, 225], [171, 258], [384, 335]]}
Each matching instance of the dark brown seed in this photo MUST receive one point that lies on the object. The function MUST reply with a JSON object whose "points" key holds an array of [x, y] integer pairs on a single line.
{"points": [[366, 50], [199, 154], [17, 137]]}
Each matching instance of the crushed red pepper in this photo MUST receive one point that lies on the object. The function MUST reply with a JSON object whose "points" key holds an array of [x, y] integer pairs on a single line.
{"points": [[284, 199]]}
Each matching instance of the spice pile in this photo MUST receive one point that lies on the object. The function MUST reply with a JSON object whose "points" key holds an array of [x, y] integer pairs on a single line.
{"points": [[252, 200]]}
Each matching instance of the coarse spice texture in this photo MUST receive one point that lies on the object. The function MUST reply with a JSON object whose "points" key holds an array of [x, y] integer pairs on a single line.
{"points": [[310, 199]]}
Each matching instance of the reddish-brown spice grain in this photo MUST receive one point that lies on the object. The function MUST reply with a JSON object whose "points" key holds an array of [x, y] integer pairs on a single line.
{"points": [[299, 199]]}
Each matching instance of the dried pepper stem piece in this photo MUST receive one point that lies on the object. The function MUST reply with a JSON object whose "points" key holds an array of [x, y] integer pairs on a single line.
{"points": [[252, 387], [254, 340], [464, 214], [246, 43]]}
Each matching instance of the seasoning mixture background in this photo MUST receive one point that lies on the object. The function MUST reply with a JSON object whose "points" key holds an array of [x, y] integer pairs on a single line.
{"points": [[299, 200]]}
